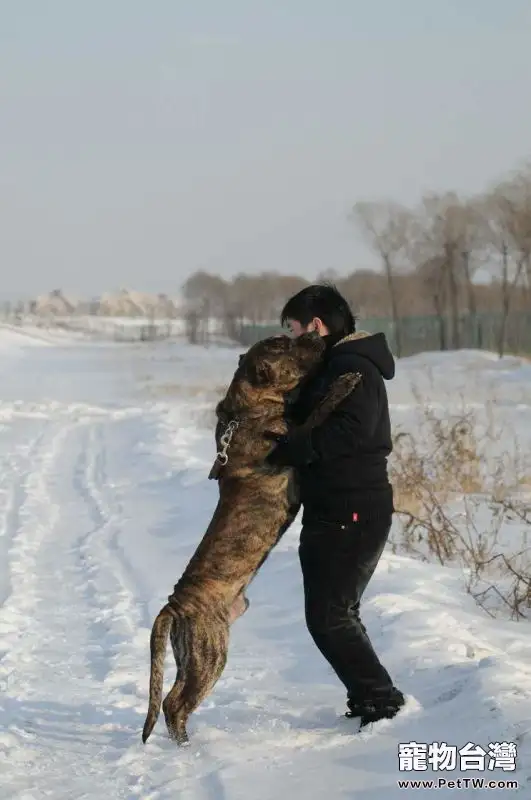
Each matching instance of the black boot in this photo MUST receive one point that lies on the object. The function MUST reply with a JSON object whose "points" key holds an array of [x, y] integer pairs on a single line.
{"points": [[377, 708], [383, 709], [355, 708]]}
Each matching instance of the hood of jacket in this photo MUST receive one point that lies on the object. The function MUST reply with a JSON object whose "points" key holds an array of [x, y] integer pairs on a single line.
{"points": [[372, 346]]}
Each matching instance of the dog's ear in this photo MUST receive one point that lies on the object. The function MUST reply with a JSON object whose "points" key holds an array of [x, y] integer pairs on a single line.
{"points": [[311, 340], [259, 372], [308, 345]]}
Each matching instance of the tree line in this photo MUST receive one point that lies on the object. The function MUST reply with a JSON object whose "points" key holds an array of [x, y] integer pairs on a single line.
{"points": [[449, 257]]}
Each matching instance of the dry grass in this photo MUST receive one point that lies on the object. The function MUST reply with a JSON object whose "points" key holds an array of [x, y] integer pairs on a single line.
{"points": [[455, 507]]}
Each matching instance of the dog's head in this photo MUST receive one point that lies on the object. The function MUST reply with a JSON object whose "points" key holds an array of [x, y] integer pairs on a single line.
{"points": [[281, 362], [274, 367]]}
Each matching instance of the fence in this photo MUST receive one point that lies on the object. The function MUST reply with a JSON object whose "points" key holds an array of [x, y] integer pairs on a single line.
{"points": [[483, 331]]}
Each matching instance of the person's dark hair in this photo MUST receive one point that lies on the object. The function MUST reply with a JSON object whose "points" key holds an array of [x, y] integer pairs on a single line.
{"points": [[321, 300]]}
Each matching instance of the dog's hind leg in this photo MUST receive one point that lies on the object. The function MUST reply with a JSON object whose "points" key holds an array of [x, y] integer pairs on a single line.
{"points": [[200, 670], [170, 706]]}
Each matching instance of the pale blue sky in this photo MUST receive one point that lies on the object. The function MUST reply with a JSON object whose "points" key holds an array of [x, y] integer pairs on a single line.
{"points": [[140, 141]]}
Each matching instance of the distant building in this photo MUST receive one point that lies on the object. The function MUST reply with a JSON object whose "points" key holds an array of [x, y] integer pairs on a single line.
{"points": [[54, 303], [119, 304]]}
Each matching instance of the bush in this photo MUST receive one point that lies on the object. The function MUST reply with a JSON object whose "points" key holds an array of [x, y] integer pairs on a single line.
{"points": [[452, 505]]}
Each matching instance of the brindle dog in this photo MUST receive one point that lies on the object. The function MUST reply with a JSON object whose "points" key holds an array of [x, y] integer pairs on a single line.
{"points": [[256, 506]]}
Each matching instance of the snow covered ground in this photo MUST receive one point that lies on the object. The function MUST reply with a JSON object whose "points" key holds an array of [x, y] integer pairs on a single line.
{"points": [[104, 453]]}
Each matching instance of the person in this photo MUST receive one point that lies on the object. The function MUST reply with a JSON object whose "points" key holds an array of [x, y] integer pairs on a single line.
{"points": [[346, 495]]}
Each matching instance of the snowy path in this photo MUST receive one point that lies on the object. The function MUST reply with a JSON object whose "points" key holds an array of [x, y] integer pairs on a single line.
{"points": [[101, 505], [70, 621]]}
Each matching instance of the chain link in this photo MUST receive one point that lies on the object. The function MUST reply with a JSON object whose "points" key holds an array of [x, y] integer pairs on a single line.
{"points": [[225, 440]]}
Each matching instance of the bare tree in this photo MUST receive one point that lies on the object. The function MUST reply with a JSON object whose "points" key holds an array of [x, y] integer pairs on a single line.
{"points": [[442, 236], [192, 325], [431, 274], [205, 298], [258, 299], [286, 286], [469, 259], [506, 220], [246, 299], [445, 248], [520, 191], [201, 286], [367, 293], [385, 225]]}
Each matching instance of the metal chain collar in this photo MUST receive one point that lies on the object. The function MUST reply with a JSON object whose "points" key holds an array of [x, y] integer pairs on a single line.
{"points": [[225, 440]]}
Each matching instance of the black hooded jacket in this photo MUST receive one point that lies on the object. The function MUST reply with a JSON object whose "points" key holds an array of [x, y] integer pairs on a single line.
{"points": [[346, 476]]}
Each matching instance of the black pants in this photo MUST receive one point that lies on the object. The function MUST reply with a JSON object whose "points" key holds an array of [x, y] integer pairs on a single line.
{"points": [[337, 565]]}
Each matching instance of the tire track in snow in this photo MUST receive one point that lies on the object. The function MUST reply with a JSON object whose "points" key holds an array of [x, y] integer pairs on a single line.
{"points": [[116, 618], [30, 516], [72, 612], [99, 492], [16, 493], [96, 593]]}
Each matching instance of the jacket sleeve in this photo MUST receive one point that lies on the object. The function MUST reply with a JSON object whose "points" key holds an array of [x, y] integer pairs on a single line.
{"points": [[350, 424]]}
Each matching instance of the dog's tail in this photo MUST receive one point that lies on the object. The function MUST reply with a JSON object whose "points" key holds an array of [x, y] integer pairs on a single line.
{"points": [[158, 643]]}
